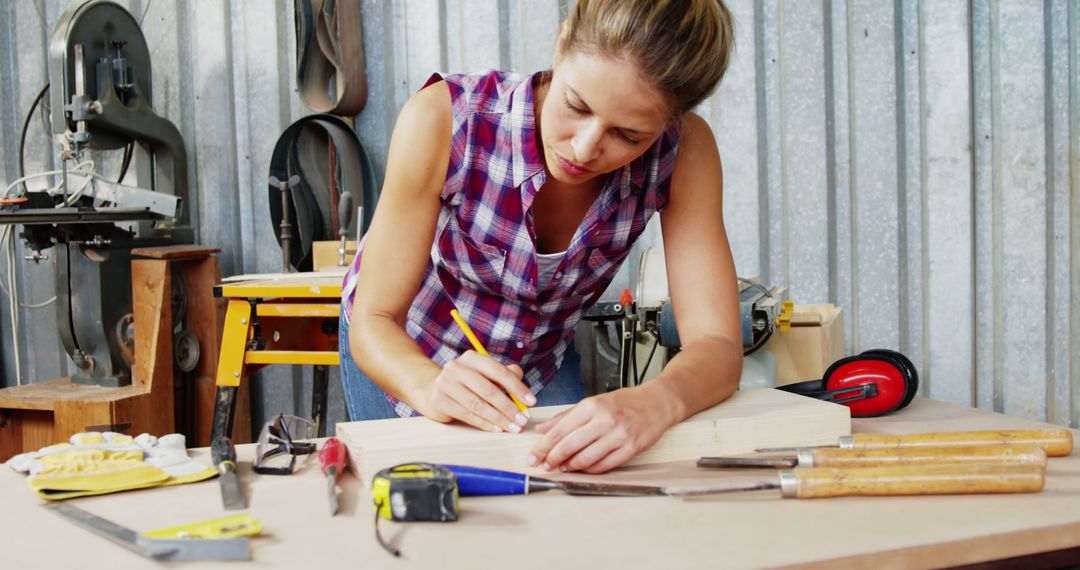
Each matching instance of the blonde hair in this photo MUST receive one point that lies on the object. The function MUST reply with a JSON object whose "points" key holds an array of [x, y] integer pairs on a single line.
{"points": [[681, 46]]}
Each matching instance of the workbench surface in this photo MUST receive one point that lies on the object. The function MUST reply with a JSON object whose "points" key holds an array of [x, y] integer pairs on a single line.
{"points": [[552, 530]]}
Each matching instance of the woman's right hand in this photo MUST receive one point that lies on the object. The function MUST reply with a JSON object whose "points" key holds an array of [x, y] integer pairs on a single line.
{"points": [[471, 388]]}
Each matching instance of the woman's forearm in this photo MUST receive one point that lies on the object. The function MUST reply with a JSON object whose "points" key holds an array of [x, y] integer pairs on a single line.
{"points": [[703, 374], [391, 358]]}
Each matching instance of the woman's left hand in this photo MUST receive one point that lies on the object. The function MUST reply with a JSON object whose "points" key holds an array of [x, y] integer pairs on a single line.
{"points": [[601, 432]]}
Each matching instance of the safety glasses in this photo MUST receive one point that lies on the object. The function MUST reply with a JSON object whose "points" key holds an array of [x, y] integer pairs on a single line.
{"points": [[279, 444]]}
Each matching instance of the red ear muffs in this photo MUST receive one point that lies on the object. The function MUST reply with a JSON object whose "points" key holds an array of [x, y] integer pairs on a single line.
{"points": [[869, 384], [873, 383], [906, 366]]}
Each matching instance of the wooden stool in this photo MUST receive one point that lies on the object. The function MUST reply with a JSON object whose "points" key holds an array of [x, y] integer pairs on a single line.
{"points": [[43, 413]]}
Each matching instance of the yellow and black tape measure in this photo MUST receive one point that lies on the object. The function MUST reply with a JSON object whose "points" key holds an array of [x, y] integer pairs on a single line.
{"points": [[416, 492]]}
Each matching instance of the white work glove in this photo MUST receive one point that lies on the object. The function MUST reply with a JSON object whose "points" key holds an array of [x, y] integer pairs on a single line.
{"points": [[91, 464], [99, 446], [169, 454]]}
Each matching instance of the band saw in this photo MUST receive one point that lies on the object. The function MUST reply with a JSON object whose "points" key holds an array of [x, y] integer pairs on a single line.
{"points": [[101, 100]]}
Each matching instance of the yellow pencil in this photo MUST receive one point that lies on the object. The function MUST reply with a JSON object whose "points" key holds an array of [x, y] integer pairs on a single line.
{"points": [[479, 348]]}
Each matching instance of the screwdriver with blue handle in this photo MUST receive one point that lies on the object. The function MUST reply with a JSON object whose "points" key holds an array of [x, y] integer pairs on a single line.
{"points": [[477, 481]]}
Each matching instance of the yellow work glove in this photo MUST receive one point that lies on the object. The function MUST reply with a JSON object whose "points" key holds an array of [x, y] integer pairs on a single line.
{"points": [[169, 454], [92, 464]]}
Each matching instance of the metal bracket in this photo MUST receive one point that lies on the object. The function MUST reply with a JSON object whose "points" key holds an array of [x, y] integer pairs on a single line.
{"points": [[159, 203], [286, 227]]}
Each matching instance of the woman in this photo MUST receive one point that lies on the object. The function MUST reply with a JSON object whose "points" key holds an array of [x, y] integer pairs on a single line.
{"points": [[514, 200]]}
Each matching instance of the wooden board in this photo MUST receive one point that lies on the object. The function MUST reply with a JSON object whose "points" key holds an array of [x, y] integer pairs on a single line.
{"points": [[43, 395], [338, 272], [74, 416], [151, 285], [293, 285], [175, 252], [749, 419], [21, 430]]}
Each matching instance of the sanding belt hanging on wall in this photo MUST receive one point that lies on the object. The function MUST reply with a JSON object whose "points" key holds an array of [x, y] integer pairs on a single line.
{"points": [[330, 56], [325, 154]]}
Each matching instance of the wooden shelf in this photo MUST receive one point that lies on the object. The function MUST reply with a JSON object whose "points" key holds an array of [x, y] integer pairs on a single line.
{"points": [[44, 395]]}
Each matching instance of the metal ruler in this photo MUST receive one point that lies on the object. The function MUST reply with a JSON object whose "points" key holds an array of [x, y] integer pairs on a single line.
{"points": [[154, 548]]}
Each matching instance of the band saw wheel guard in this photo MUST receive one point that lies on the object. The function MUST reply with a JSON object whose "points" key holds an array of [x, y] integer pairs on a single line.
{"points": [[891, 375], [295, 154]]}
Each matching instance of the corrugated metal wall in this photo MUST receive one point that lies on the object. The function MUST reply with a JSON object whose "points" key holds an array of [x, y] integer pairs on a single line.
{"points": [[916, 162]]}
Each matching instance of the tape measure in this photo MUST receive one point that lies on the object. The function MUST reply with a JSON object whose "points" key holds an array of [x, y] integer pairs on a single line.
{"points": [[416, 492], [413, 492]]}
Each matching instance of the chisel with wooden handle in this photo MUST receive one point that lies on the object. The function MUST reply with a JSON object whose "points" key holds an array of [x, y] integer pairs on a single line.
{"points": [[1020, 454], [1056, 441], [819, 482]]}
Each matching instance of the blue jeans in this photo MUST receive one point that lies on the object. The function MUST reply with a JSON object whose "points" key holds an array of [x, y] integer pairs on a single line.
{"points": [[366, 401]]}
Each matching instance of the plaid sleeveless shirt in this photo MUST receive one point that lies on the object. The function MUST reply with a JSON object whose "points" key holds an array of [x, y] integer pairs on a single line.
{"points": [[483, 257]]}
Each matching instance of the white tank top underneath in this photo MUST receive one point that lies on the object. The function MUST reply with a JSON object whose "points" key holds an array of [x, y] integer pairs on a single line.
{"points": [[546, 264]]}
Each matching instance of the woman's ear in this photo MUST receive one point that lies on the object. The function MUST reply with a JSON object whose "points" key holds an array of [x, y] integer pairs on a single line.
{"points": [[560, 42]]}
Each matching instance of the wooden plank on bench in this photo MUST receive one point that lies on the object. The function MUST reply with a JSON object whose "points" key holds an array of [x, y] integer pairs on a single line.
{"points": [[748, 420]]}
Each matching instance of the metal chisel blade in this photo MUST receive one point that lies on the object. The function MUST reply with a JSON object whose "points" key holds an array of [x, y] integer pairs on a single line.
{"points": [[717, 489], [609, 489], [537, 484], [224, 455], [231, 494], [332, 488], [748, 462], [788, 449]]}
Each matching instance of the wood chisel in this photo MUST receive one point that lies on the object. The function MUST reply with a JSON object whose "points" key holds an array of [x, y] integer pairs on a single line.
{"points": [[817, 482], [224, 456], [332, 464], [1056, 441], [884, 456], [477, 481], [163, 549]]}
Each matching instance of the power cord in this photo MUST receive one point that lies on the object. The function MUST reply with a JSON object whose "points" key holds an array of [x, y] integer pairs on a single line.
{"points": [[24, 131], [7, 245], [648, 361], [13, 307], [125, 163]]}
